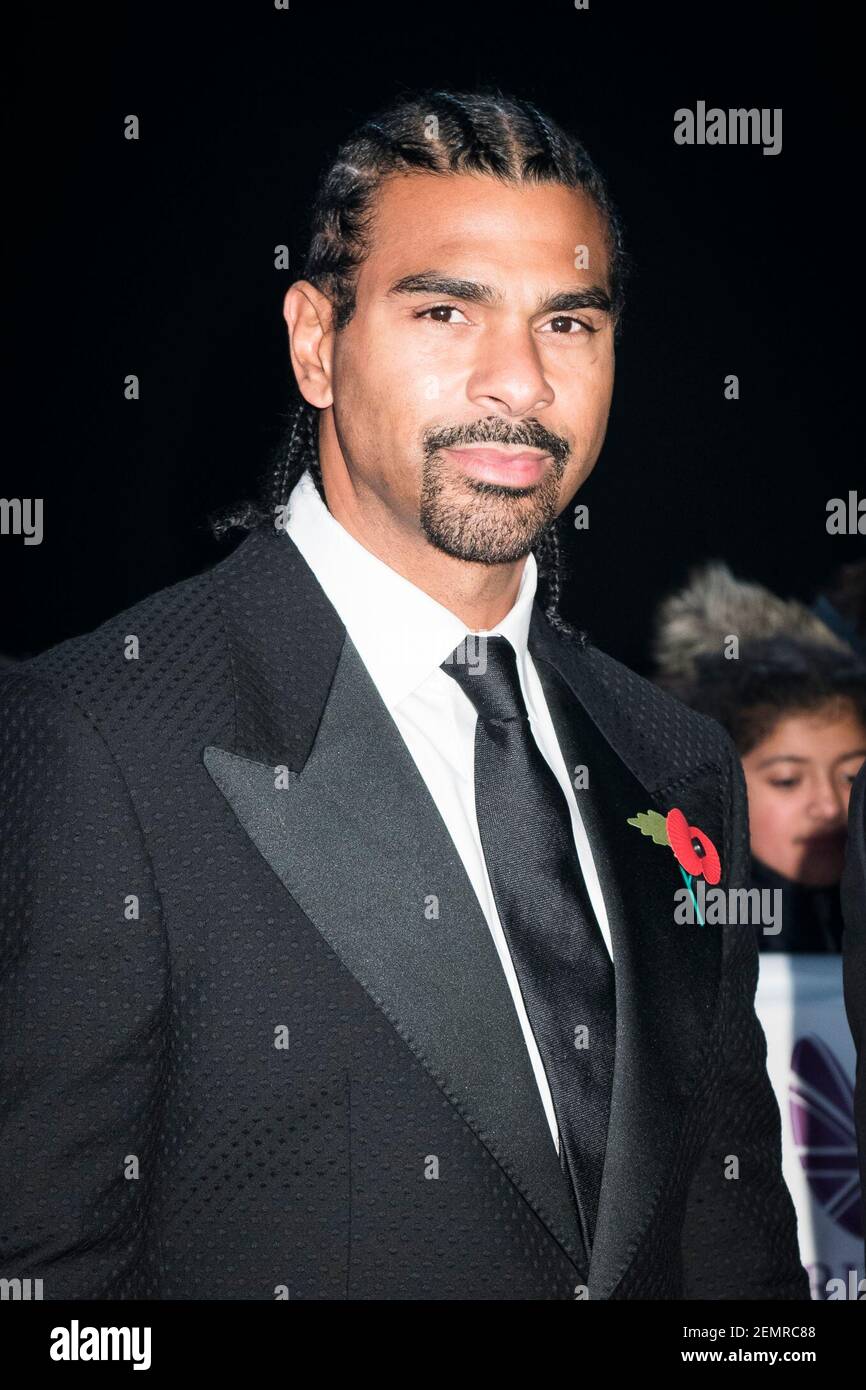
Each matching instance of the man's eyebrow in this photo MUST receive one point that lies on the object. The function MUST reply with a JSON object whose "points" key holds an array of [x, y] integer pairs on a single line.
{"points": [[581, 297], [473, 292], [431, 282]]}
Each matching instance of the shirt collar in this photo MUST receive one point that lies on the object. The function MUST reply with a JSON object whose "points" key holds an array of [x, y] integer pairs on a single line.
{"points": [[400, 632]]}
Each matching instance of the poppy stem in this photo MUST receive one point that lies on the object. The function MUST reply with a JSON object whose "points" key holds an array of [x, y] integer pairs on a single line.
{"points": [[688, 879]]}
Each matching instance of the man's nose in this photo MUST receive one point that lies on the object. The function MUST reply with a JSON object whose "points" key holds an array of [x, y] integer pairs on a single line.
{"points": [[509, 379]]}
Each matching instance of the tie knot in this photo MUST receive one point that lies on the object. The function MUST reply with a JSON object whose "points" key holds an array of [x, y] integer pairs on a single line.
{"points": [[485, 668]]}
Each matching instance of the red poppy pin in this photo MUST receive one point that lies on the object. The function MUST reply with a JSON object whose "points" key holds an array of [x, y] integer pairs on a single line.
{"points": [[694, 851]]}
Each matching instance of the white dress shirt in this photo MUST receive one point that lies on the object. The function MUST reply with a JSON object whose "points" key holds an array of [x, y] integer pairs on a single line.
{"points": [[402, 636]]}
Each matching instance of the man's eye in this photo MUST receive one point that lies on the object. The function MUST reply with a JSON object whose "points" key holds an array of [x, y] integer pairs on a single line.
{"points": [[439, 309], [573, 327]]}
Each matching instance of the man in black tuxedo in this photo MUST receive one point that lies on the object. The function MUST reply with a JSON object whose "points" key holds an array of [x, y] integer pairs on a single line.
{"points": [[853, 889], [342, 958]]}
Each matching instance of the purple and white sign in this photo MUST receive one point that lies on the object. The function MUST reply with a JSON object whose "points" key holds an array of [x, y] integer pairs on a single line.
{"points": [[811, 1064]]}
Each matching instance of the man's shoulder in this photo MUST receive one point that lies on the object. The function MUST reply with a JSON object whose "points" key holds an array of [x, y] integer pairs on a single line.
{"points": [[141, 658], [665, 738]]}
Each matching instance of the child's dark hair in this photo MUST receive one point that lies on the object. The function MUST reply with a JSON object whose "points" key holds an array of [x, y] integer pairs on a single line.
{"points": [[770, 679]]}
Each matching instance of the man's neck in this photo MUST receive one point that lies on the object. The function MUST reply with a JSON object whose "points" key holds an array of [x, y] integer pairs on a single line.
{"points": [[479, 595]]}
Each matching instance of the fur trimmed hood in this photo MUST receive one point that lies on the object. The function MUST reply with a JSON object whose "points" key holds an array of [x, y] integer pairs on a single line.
{"points": [[712, 605]]}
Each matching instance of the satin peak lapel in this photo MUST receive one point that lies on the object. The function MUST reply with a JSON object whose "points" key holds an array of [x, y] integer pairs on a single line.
{"points": [[356, 839], [667, 975]]}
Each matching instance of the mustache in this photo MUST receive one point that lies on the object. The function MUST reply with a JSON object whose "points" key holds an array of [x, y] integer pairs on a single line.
{"points": [[527, 434]]}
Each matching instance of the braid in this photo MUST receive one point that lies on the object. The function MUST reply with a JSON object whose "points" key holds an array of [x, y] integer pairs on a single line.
{"points": [[476, 150], [312, 450], [297, 451], [300, 454], [548, 558], [549, 154], [280, 482]]}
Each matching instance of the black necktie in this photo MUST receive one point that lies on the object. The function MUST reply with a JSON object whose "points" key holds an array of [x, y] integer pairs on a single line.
{"points": [[563, 967]]}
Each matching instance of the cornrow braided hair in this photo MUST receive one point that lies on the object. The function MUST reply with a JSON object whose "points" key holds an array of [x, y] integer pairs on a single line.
{"points": [[440, 132]]}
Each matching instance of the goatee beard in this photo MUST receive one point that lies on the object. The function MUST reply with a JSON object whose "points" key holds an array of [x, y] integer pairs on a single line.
{"points": [[488, 523]]}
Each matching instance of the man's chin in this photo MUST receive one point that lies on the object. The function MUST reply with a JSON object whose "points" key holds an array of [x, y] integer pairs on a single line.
{"points": [[477, 553], [485, 534]]}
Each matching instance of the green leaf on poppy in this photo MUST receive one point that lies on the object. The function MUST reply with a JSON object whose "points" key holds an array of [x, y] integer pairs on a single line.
{"points": [[651, 823]]}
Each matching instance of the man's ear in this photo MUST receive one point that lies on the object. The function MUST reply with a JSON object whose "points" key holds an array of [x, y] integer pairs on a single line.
{"points": [[309, 317]]}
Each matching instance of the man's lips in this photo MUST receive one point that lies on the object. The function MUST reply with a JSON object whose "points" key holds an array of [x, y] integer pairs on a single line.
{"points": [[501, 465]]}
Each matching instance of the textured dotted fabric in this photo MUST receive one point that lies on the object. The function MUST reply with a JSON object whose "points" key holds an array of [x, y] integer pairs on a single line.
{"points": [[155, 1142]]}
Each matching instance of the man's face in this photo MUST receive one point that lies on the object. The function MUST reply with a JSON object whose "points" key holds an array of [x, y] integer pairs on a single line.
{"points": [[471, 389]]}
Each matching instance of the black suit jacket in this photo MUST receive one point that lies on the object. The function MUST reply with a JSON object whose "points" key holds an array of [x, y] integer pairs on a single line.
{"points": [[854, 951], [257, 1040]]}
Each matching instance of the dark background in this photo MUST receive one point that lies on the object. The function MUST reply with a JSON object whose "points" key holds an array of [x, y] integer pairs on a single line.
{"points": [[156, 258]]}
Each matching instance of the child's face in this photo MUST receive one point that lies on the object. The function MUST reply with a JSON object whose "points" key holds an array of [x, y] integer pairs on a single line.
{"points": [[799, 782]]}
